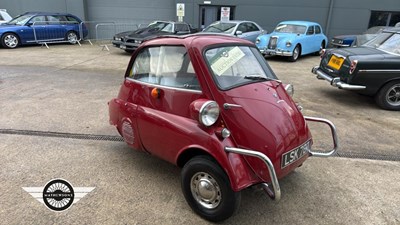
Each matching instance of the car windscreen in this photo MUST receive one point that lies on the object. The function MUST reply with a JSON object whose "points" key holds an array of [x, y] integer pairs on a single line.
{"points": [[20, 20], [220, 28], [234, 66], [391, 44], [164, 26], [386, 41], [290, 28]]}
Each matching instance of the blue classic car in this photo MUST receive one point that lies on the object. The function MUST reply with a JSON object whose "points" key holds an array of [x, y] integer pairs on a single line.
{"points": [[293, 39], [40, 27]]}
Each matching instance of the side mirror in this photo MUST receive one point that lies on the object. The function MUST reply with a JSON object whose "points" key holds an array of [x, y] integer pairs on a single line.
{"points": [[29, 24], [238, 33]]}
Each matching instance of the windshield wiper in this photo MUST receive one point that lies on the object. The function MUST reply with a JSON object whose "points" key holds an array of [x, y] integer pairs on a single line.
{"points": [[258, 77]]}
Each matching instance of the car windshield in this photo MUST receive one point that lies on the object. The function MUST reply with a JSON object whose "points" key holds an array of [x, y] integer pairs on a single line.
{"points": [[290, 28], [163, 26], [234, 66], [221, 28], [20, 20], [388, 42]]}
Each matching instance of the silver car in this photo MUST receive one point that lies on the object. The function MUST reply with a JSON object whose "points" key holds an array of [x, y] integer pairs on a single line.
{"points": [[243, 29]]}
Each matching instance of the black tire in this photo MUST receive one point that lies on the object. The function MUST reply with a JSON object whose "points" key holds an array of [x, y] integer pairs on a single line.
{"points": [[10, 40], [72, 37], [388, 97], [219, 201], [296, 54]]}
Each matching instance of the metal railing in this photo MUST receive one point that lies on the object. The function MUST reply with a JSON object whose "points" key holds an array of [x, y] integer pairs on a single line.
{"points": [[50, 32]]}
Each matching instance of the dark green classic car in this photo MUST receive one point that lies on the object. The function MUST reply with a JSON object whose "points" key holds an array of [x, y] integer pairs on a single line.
{"points": [[372, 69]]}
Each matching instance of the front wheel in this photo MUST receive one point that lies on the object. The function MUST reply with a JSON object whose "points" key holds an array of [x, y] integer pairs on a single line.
{"points": [[72, 37], [9, 40], [207, 189], [295, 54], [388, 96]]}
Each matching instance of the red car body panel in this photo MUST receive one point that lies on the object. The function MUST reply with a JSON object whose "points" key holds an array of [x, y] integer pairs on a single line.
{"points": [[269, 120]]}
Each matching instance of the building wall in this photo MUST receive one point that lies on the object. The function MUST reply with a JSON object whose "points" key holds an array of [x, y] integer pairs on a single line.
{"points": [[17, 7], [336, 16]]}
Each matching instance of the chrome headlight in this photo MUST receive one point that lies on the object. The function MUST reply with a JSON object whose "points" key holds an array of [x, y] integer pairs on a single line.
{"points": [[257, 40], [209, 113], [288, 44]]}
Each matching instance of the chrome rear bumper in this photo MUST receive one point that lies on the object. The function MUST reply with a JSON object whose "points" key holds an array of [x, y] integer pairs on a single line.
{"points": [[335, 81]]}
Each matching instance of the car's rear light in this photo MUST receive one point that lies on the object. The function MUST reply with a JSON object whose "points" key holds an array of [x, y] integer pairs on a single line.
{"points": [[322, 52], [353, 66]]}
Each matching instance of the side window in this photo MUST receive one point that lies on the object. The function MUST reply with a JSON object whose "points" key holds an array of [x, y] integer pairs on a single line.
{"points": [[242, 27], [251, 27], [56, 19], [317, 29], [165, 65], [181, 27], [72, 19], [38, 20], [310, 30]]}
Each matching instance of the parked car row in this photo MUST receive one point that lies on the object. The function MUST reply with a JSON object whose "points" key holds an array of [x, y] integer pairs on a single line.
{"points": [[34, 27]]}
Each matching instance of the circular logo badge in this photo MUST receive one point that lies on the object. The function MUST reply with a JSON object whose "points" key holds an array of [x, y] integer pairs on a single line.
{"points": [[58, 195]]}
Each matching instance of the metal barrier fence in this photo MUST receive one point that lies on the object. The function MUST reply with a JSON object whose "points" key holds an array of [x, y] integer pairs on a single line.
{"points": [[65, 31]]}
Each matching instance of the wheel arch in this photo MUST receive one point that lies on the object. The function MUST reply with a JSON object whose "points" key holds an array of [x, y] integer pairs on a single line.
{"points": [[235, 166], [12, 32]]}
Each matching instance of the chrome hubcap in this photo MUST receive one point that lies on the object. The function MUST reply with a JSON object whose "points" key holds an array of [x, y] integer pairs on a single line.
{"points": [[205, 190], [72, 38], [296, 53], [393, 95], [11, 41]]}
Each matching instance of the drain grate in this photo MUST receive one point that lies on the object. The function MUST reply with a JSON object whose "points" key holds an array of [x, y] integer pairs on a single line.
{"points": [[62, 135], [95, 137]]}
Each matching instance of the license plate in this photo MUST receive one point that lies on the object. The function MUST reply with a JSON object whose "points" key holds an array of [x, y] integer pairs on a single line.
{"points": [[294, 155], [335, 62], [122, 47]]}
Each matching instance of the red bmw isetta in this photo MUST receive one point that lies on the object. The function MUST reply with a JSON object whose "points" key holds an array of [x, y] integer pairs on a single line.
{"points": [[212, 105]]}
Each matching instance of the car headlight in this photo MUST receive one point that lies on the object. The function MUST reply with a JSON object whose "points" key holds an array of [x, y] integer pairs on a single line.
{"points": [[209, 113], [117, 38], [288, 44], [257, 40], [138, 42]]}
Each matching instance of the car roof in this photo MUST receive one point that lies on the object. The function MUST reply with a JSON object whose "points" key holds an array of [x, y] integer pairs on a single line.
{"points": [[46, 13], [234, 21], [198, 40], [299, 22]]}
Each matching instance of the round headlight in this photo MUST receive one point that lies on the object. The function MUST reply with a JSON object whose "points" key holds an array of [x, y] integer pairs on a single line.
{"points": [[257, 40], [288, 44], [209, 113], [289, 89]]}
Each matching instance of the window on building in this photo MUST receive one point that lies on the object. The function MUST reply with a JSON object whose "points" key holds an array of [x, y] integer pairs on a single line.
{"points": [[383, 18]]}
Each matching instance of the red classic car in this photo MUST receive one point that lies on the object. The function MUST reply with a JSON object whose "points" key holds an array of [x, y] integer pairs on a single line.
{"points": [[212, 105]]}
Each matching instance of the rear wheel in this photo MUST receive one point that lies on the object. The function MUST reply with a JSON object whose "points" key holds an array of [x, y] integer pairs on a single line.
{"points": [[72, 37], [388, 96], [207, 189], [295, 54], [9, 40]]}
